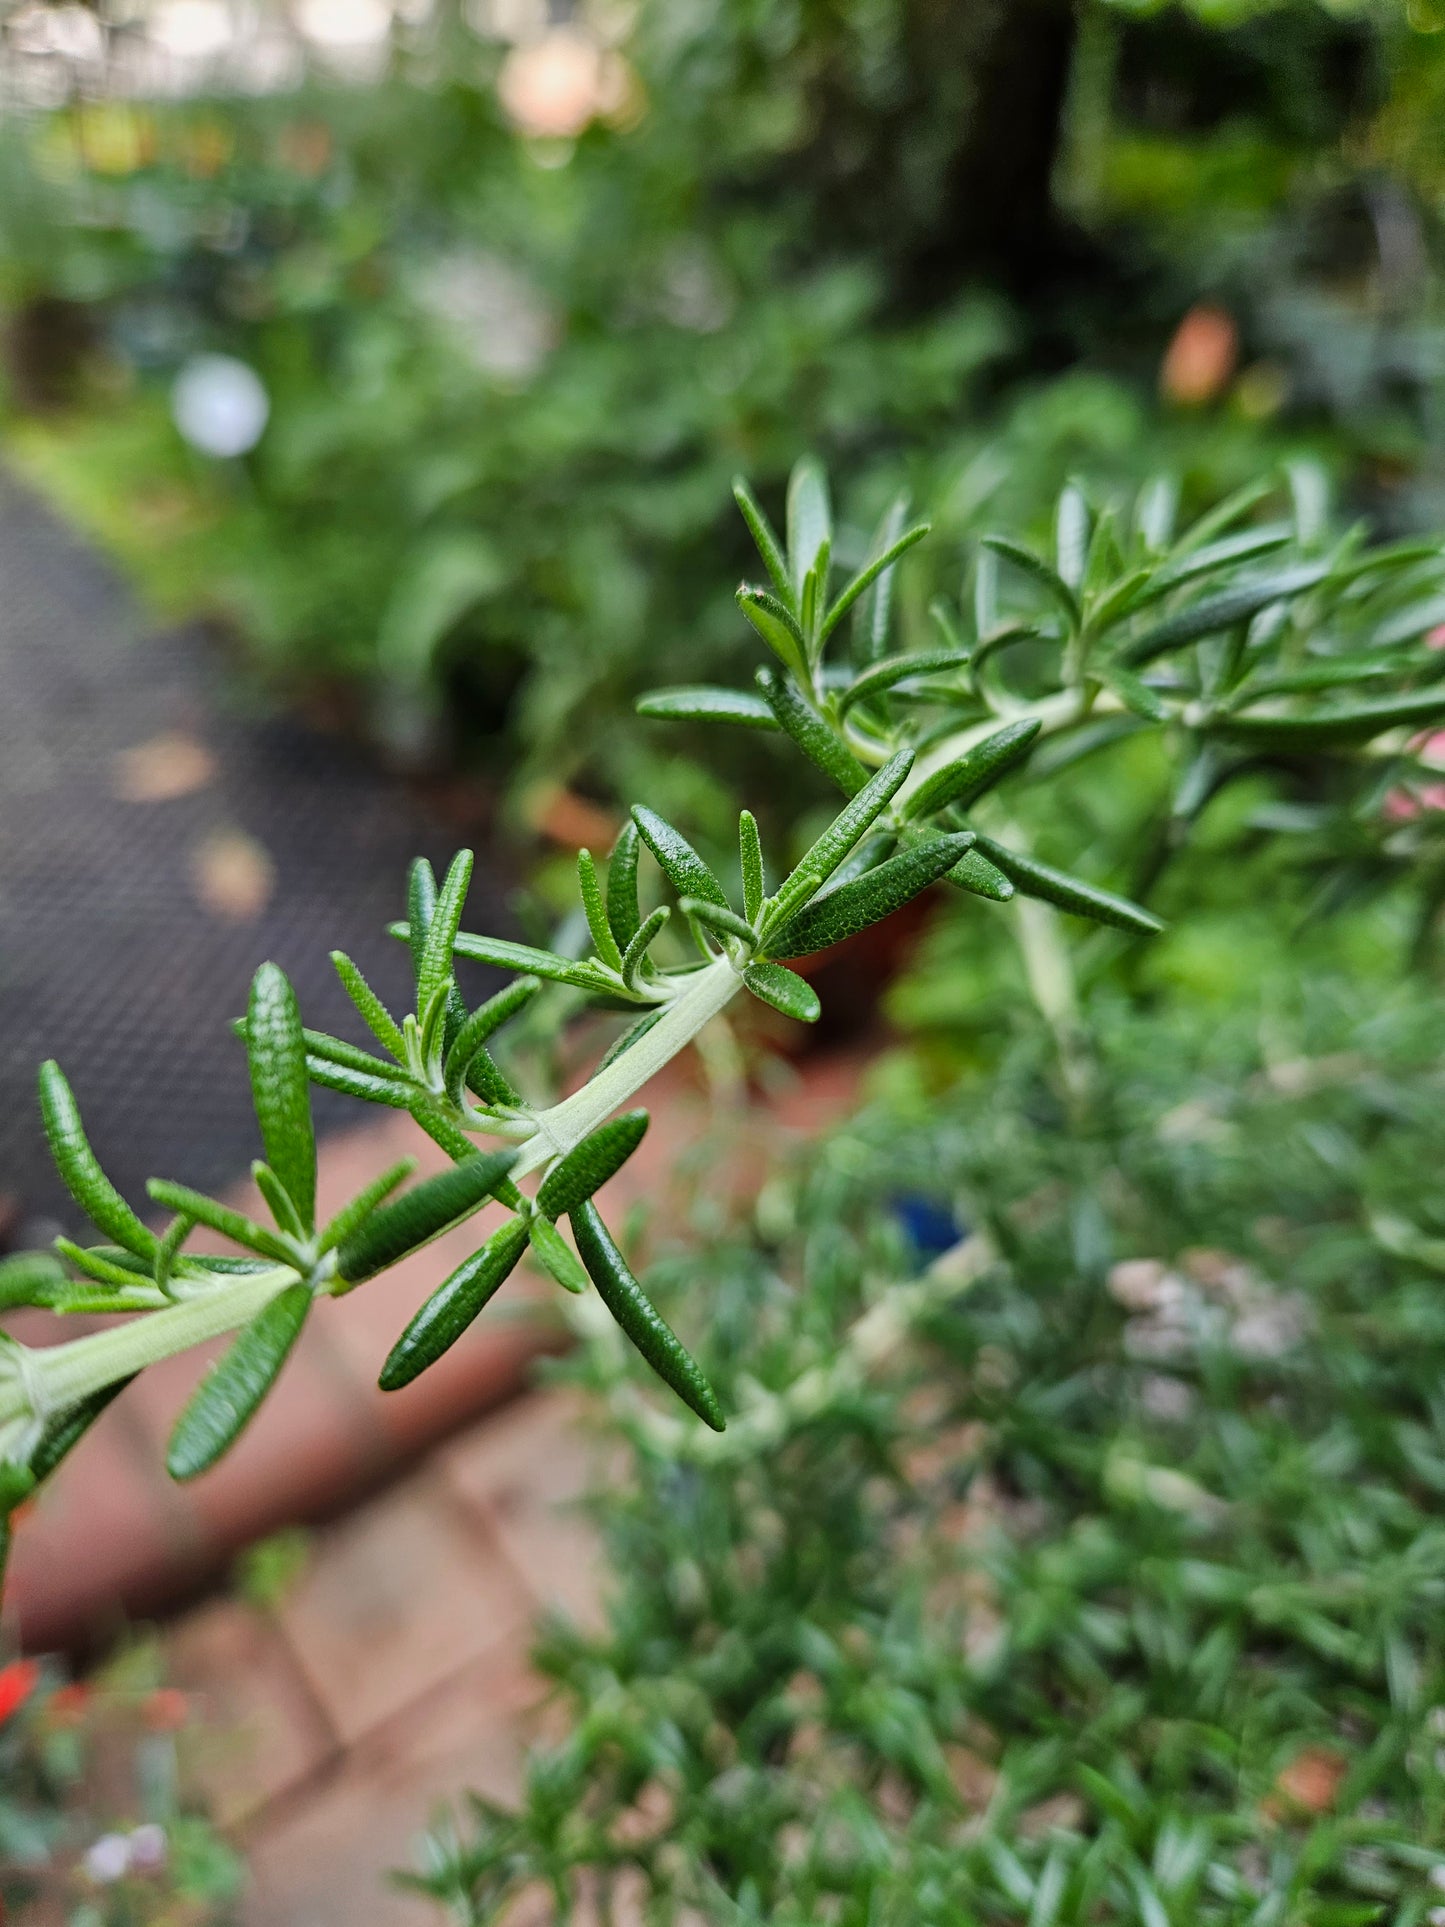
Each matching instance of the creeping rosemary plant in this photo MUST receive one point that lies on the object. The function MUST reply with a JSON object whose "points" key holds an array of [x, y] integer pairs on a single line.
{"points": [[1235, 638]]}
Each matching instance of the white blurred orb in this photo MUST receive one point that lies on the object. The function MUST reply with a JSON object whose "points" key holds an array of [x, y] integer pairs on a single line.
{"points": [[344, 23], [551, 88], [220, 405], [192, 29]]}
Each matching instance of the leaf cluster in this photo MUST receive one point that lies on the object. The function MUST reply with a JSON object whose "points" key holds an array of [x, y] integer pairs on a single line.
{"points": [[1245, 640]]}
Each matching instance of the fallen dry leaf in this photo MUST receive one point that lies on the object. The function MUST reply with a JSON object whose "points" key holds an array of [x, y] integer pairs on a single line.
{"points": [[169, 765], [232, 875]]}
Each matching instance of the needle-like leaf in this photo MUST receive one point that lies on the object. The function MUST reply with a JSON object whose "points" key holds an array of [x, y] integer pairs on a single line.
{"points": [[853, 906], [80, 1169], [640, 1319], [280, 1088], [676, 857], [421, 1215], [588, 1166], [227, 1397], [698, 703]]}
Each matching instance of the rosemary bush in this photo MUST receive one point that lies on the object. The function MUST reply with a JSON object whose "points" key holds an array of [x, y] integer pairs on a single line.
{"points": [[1090, 1571], [1223, 638]]}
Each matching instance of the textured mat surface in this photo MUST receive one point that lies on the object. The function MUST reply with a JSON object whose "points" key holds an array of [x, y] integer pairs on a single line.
{"points": [[156, 842]]}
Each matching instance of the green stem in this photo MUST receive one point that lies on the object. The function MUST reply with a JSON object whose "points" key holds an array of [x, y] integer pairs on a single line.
{"points": [[708, 992], [59, 1376]]}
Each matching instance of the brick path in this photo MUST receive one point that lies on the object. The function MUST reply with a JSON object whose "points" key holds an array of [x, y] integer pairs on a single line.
{"points": [[394, 1676]]}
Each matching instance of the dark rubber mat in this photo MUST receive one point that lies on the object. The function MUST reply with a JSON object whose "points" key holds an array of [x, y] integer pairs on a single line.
{"points": [[157, 841]]}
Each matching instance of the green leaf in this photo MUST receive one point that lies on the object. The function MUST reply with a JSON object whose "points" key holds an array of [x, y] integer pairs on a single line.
{"points": [[785, 990], [963, 782], [875, 607], [556, 1255], [453, 1140], [639, 1318], [1133, 692], [277, 1200], [777, 627], [1155, 507], [984, 879], [280, 1089], [1325, 672], [635, 954], [1408, 624], [810, 519], [353, 1215], [623, 911], [351, 1056], [431, 1016], [1232, 550], [853, 822], [65, 1432], [1033, 565], [421, 903], [1071, 537], [724, 923], [398, 1094], [78, 1166], [1356, 723], [522, 957], [1037, 879], [25, 1275], [420, 1215], [104, 1265], [676, 857], [1223, 611], [700, 703], [750, 852], [595, 911], [454, 1305], [896, 669], [374, 1013], [482, 1023], [812, 735], [869, 574], [853, 906], [435, 971], [761, 530], [1225, 514], [224, 1401], [588, 1166], [336, 1050], [490, 1082], [220, 1217]]}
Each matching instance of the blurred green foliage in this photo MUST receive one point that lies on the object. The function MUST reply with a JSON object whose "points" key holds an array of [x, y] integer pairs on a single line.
{"points": [[510, 374]]}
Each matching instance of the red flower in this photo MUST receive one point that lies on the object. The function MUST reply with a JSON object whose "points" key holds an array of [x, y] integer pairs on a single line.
{"points": [[17, 1683]]}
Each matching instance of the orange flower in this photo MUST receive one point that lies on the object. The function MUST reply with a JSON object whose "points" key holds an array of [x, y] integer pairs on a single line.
{"points": [[17, 1683], [166, 1710], [1201, 358]]}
